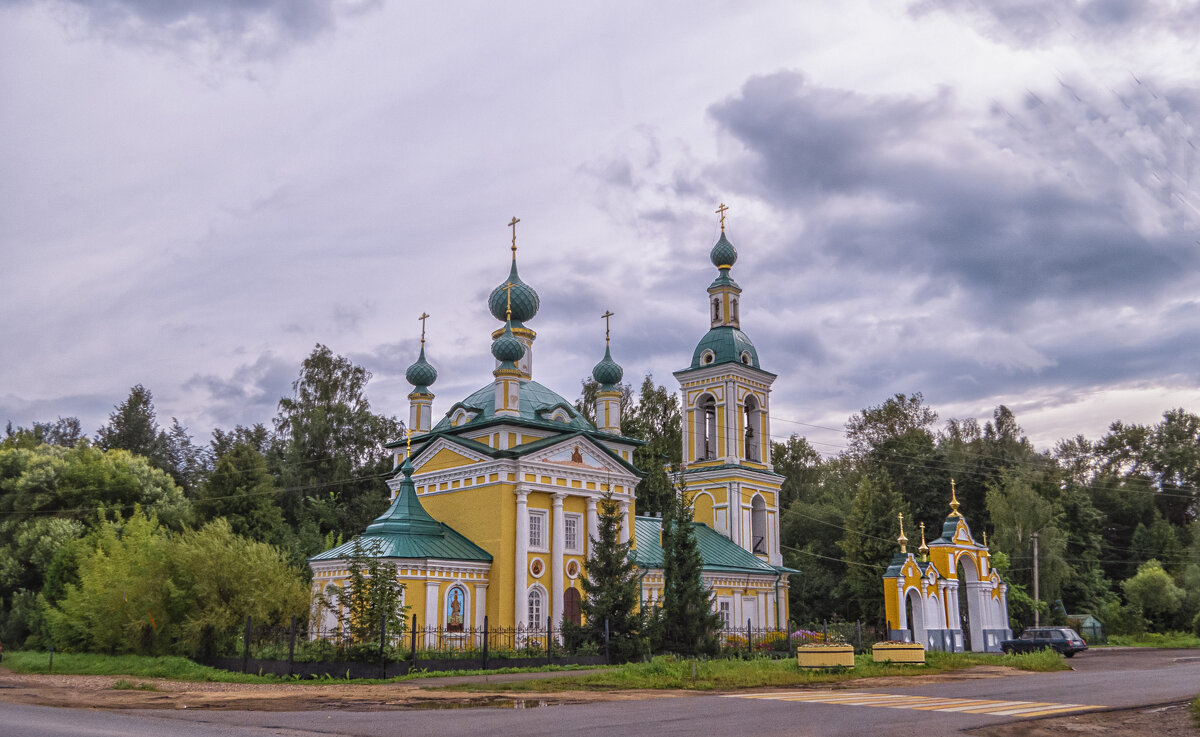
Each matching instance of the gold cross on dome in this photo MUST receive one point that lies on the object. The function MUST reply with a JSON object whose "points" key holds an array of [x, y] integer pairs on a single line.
{"points": [[607, 314], [721, 211], [513, 224], [408, 444], [422, 318]]}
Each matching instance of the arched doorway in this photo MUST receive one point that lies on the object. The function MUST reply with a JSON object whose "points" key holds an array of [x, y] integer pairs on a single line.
{"points": [[969, 612], [572, 611], [915, 612]]}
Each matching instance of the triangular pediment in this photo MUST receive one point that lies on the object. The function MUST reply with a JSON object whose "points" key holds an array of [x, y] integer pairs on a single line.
{"points": [[579, 453], [444, 454], [962, 533]]}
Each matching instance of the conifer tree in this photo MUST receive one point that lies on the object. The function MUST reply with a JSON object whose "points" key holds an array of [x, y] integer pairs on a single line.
{"points": [[689, 624], [373, 593], [610, 589]]}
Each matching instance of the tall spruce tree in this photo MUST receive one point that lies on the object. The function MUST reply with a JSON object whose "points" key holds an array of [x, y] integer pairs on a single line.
{"points": [[689, 624], [610, 589]]}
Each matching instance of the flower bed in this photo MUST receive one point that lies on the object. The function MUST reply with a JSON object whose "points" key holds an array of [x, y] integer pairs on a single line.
{"points": [[825, 656], [907, 653]]}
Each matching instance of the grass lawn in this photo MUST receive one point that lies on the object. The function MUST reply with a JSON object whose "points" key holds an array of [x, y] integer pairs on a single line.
{"points": [[1154, 639], [668, 672], [182, 669]]}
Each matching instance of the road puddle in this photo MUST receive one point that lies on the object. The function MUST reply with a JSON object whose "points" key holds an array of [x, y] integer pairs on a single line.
{"points": [[490, 702]]}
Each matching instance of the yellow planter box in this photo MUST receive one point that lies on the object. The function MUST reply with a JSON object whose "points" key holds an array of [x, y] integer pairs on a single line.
{"points": [[840, 656], [895, 652]]}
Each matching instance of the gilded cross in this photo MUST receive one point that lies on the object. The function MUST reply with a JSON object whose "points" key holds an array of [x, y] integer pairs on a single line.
{"points": [[408, 441], [422, 318], [508, 291], [721, 211], [607, 314], [513, 224]]}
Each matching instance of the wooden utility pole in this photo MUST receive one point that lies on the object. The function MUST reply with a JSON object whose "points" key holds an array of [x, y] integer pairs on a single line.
{"points": [[1037, 614]]}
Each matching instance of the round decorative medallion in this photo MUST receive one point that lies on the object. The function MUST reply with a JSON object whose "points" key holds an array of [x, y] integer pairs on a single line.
{"points": [[573, 569], [537, 567]]}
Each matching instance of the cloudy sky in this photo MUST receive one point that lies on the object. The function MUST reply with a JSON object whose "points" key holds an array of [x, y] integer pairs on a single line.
{"points": [[987, 201]]}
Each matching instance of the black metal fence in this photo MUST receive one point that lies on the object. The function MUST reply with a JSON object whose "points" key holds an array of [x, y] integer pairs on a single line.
{"points": [[294, 650]]}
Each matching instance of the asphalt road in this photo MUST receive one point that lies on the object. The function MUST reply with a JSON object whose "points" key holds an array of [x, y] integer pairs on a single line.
{"points": [[1109, 678]]}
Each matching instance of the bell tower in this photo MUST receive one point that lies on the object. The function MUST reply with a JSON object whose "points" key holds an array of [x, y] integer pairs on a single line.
{"points": [[726, 400]]}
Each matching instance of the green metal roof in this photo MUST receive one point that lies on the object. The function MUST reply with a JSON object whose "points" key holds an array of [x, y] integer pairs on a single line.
{"points": [[535, 399], [727, 344], [406, 530], [527, 448], [718, 552]]}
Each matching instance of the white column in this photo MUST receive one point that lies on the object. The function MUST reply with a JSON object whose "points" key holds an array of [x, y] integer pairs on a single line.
{"points": [[431, 613], [731, 424], [593, 524], [764, 613], [556, 561], [521, 564], [624, 522], [901, 615], [480, 611], [733, 494]]}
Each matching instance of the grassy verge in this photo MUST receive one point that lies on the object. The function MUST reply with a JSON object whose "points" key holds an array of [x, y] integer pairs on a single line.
{"points": [[669, 673], [182, 669], [1154, 639]]}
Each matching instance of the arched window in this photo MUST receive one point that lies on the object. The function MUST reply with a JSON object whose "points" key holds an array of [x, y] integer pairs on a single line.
{"points": [[456, 608], [733, 316], [716, 309], [758, 525], [708, 428], [751, 425], [535, 608], [329, 622]]}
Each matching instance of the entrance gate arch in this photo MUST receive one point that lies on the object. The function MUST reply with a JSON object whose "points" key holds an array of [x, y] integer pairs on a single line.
{"points": [[962, 601]]}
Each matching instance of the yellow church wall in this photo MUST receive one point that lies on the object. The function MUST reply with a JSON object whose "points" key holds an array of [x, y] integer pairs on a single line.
{"points": [[488, 518], [702, 509], [443, 459]]}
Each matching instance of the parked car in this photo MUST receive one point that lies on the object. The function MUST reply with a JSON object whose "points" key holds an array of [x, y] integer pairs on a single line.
{"points": [[1063, 639]]}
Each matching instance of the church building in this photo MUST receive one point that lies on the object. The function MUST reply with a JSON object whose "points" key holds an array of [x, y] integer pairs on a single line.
{"points": [[495, 506]]}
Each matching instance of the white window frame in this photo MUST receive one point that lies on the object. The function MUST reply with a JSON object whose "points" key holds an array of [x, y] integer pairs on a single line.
{"points": [[725, 610], [541, 545], [535, 621], [577, 519]]}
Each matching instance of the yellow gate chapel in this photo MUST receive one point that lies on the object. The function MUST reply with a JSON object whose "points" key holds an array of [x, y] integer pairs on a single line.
{"points": [[495, 509]]}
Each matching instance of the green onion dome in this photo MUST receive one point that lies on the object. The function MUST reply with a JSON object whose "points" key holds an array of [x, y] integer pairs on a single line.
{"points": [[723, 254], [607, 373], [506, 348], [525, 301], [421, 374]]}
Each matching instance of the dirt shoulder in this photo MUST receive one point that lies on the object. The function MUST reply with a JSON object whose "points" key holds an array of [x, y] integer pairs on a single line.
{"points": [[98, 692], [1168, 720]]}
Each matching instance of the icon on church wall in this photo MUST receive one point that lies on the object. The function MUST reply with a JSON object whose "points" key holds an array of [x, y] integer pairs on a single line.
{"points": [[455, 602], [573, 568], [536, 567]]}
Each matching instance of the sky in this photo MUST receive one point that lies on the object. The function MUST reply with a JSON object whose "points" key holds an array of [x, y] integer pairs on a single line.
{"points": [[985, 201]]}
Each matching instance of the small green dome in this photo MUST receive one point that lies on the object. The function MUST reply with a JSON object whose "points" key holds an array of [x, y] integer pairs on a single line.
{"points": [[525, 301], [723, 254], [421, 374], [607, 373], [506, 348]]}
